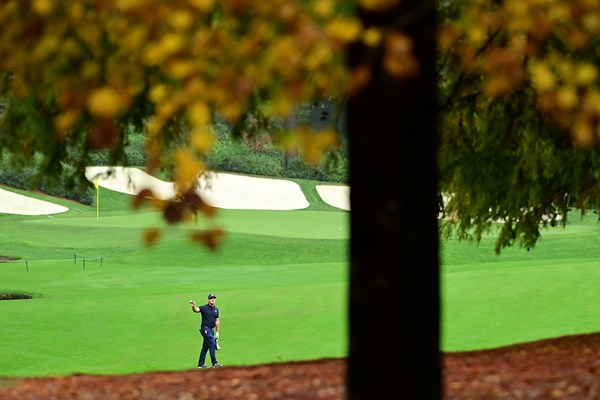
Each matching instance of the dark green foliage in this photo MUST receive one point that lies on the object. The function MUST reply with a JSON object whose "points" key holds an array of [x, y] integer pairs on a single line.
{"points": [[228, 155], [27, 177], [507, 169], [61, 172], [234, 156], [333, 168], [134, 151]]}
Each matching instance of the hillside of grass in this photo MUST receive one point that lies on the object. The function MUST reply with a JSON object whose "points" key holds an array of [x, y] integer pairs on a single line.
{"points": [[106, 303]]}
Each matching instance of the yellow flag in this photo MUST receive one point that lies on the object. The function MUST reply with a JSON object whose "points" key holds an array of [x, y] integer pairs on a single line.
{"points": [[97, 200]]}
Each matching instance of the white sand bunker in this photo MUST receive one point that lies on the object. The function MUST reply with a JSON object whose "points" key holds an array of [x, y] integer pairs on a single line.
{"points": [[129, 181], [220, 190], [244, 192], [335, 195], [14, 203]]}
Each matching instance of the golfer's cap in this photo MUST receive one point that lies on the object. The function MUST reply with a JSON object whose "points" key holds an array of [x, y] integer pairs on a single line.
{"points": [[212, 296]]}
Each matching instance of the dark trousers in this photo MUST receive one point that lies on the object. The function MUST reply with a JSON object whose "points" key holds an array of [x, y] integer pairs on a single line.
{"points": [[209, 344]]}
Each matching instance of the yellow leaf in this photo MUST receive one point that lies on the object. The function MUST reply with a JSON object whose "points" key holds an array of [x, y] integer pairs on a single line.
{"points": [[165, 111], [134, 38], [371, 37], [154, 127], [323, 8], [586, 74], [591, 23], [378, 5], [583, 134], [280, 106], [202, 140], [566, 70], [187, 169], [398, 59], [158, 92], [232, 110], [104, 102], [153, 54], [447, 36], [477, 34], [65, 121], [181, 20], [343, 29], [566, 97], [319, 55], [516, 8], [591, 103], [180, 69], [46, 47], [128, 4], [497, 86], [70, 48], [199, 114], [315, 143], [171, 43], [75, 10], [541, 76], [43, 7], [202, 5], [90, 70]]}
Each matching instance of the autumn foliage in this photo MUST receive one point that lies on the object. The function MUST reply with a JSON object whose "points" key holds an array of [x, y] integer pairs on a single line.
{"points": [[79, 72], [87, 66], [520, 107], [546, 46], [517, 80], [76, 74]]}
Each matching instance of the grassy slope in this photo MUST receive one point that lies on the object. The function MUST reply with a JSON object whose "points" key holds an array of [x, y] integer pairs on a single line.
{"points": [[130, 313], [520, 296], [281, 278]]}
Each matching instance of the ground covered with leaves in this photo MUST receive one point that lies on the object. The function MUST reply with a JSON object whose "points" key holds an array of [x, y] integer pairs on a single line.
{"points": [[562, 368]]}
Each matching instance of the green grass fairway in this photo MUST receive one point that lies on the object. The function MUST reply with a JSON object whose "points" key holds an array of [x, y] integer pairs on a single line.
{"points": [[281, 278], [520, 296]]}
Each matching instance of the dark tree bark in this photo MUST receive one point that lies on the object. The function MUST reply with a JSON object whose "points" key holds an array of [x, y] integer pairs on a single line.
{"points": [[394, 280]]}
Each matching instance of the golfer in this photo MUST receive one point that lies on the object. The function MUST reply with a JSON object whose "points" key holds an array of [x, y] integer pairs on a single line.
{"points": [[210, 321]]}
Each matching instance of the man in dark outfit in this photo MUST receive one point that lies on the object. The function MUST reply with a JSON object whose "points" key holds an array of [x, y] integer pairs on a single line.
{"points": [[210, 321]]}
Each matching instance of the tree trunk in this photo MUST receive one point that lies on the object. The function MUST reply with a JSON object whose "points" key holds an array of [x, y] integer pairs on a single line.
{"points": [[394, 261]]}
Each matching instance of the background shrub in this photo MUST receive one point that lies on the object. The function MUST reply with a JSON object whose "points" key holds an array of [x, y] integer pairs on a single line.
{"points": [[236, 152]]}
